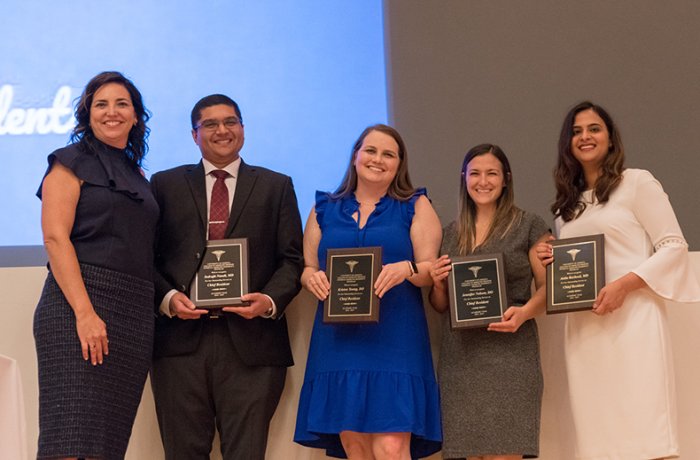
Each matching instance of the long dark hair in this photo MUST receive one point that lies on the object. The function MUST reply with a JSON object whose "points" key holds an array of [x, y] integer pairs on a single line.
{"points": [[400, 188], [507, 214], [136, 146], [568, 174]]}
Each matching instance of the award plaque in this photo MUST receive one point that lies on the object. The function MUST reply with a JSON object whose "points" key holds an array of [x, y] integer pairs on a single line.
{"points": [[222, 277], [477, 290], [577, 273], [352, 274]]}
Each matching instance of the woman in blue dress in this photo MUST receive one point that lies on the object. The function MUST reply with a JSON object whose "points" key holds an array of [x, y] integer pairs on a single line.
{"points": [[369, 391]]}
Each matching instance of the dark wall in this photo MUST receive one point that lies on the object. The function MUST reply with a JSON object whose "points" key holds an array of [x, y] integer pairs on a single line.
{"points": [[463, 72]]}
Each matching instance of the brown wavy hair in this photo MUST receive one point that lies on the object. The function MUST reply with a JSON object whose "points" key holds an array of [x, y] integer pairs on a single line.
{"points": [[400, 188], [507, 214], [136, 146], [568, 174]]}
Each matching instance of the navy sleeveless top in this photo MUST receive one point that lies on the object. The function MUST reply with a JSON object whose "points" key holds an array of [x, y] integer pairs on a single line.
{"points": [[116, 215]]}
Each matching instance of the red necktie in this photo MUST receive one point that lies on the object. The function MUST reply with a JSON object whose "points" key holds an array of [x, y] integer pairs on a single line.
{"points": [[219, 206]]}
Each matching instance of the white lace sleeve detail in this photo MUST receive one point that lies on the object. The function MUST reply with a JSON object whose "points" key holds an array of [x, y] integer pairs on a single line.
{"points": [[668, 271], [670, 242]]}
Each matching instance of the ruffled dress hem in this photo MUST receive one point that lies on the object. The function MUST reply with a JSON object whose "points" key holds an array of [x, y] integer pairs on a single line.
{"points": [[412, 407]]}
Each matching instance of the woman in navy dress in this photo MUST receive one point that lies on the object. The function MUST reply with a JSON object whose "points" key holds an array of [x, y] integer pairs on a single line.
{"points": [[93, 325], [370, 390]]}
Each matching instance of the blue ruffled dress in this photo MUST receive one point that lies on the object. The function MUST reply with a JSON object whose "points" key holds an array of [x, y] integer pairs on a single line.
{"points": [[370, 378]]}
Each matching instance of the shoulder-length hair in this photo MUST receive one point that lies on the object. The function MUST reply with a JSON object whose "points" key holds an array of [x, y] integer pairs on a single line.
{"points": [[507, 214], [568, 174], [400, 188], [136, 146]]}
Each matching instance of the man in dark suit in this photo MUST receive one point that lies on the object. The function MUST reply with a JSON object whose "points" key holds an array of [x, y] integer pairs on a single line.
{"points": [[227, 369]]}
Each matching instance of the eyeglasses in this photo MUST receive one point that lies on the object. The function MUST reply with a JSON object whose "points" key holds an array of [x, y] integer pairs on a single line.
{"points": [[213, 125]]}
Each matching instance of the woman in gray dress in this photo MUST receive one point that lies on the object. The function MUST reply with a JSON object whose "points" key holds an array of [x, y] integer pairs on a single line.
{"points": [[490, 378]]}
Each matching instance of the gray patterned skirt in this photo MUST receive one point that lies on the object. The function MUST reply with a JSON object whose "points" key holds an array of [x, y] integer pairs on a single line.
{"points": [[86, 410]]}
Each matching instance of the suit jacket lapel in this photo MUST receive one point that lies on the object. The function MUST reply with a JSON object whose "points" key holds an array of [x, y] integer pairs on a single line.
{"points": [[195, 179], [244, 187]]}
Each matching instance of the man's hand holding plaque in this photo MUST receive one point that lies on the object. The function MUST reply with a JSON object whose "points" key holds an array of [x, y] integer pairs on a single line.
{"points": [[222, 277], [254, 304]]}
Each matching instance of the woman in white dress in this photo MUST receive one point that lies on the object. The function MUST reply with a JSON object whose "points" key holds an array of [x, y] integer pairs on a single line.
{"points": [[618, 357]]}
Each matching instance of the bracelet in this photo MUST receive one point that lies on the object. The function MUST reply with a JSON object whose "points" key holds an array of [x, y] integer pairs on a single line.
{"points": [[412, 267]]}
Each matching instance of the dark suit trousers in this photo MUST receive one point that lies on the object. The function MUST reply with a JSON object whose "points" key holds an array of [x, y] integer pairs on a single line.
{"points": [[210, 388]]}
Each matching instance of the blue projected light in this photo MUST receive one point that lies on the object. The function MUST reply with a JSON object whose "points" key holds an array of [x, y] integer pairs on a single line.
{"points": [[308, 76]]}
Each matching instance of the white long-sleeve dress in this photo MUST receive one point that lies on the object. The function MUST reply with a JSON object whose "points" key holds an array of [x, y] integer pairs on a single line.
{"points": [[620, 366]]}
